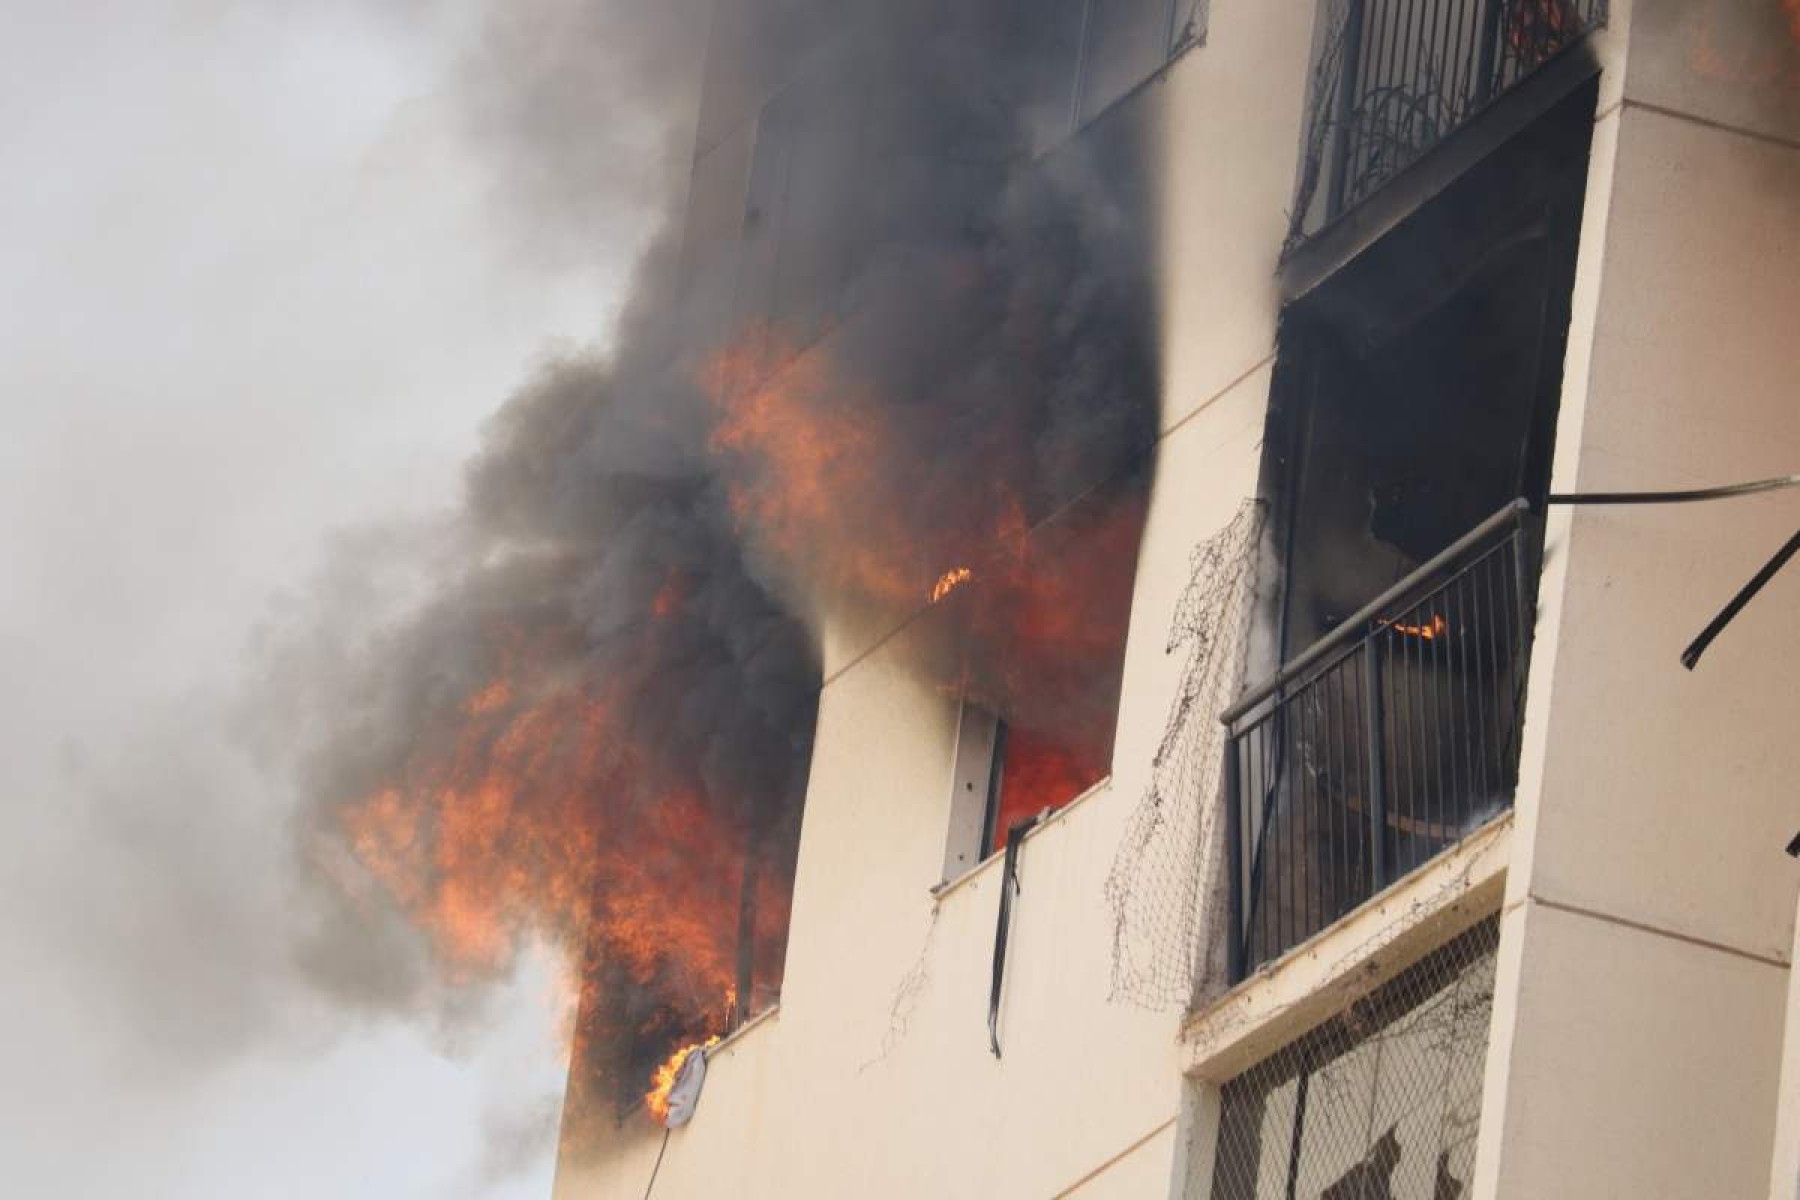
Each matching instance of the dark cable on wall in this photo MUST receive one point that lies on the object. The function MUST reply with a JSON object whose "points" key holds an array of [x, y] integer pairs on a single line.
{"points": [[1698, 646], [657, 1169], [1727, 492], [1691, 656]]}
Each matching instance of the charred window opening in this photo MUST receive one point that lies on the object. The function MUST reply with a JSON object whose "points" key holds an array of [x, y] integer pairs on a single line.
{"points": [[1062, 633], [1420, 384], [1416, 398], [1043, 663]]}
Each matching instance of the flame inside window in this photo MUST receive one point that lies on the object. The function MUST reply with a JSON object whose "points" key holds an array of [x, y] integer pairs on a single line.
{"points": [[1425, 631], [949, 582], [662, 1081]]}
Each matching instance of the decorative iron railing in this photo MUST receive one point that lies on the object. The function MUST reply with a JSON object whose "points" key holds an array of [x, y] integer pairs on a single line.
{"points": [[1382, 745], [1395, 77]]}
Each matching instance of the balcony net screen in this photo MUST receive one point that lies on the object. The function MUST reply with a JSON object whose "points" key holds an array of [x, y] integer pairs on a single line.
{"points": [[1170, 921], [1381, 1103]]}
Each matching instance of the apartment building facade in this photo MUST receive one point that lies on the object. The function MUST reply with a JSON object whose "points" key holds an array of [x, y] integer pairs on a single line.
{"points": [[1491, 889]]}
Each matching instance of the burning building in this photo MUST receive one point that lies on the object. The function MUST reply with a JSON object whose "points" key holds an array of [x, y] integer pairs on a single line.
{"points": [[1061, 657]]}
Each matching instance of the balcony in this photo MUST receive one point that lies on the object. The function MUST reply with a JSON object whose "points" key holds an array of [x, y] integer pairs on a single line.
{"points": [[1393, 78], [1384, 744]]}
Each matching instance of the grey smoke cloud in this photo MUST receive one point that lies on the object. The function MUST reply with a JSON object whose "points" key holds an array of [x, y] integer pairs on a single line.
{"points": [[585, 110], [264, 281], [302, 313], [990, 315]]}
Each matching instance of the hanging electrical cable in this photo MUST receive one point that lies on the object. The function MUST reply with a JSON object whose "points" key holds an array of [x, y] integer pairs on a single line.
{"points": [[1730, 491], [657, 1169], [1690, 657], [1697, 647]]}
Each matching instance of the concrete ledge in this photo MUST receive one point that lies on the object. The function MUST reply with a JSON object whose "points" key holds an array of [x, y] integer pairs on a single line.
{"points": [[1323, 976], [992, 862], [729, 1043]]}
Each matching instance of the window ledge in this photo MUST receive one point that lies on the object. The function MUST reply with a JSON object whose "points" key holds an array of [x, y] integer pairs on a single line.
{"points": [[1287, 998], [729, 1042], [955, 884]]}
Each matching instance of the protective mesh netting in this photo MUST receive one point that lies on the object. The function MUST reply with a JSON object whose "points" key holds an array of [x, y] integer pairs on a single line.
{"points": [[1382, 1102], [1168, 934]]}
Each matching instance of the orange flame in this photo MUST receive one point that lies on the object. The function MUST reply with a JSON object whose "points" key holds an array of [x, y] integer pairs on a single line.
{"points": [[949, 581], [670, 596], [1037, 775], [662, 1080], [1538, 29], [823, 480], [815, 446], [528, 818], [1427, 631]]}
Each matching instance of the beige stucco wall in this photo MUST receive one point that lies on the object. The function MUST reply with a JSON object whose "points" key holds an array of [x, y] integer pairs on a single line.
{"points": [[874, 1078], [1650, 911], [1784, 1163]]}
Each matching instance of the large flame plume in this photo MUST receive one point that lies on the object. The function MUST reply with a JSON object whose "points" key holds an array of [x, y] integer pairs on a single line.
{"points": [[595, 733], [824, 483]]}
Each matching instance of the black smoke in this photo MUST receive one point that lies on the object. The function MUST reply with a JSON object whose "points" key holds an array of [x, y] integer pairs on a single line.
{"points": [[979, 282]]}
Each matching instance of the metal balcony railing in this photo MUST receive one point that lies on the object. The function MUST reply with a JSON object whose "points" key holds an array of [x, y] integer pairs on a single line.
{"points": [[1395, 77], [1382, 745]]}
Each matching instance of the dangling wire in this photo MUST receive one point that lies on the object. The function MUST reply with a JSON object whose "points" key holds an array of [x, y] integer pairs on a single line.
{"points": [[1691, 656], [1697, 647], [1727, 492], [660, 1151]]}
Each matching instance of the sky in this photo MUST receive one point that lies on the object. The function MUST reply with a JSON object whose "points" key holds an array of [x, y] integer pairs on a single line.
{"points": [[267, 267]]}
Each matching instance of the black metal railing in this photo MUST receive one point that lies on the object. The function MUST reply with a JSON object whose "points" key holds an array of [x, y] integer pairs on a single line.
{"points": [[1382, 745], [1394, 77]]}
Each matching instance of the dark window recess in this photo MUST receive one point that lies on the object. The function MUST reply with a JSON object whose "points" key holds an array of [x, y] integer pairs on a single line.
{"points": [[1392, 78], [1045, 650], [1416, 396], [1383, 1101], [1033, 772]]}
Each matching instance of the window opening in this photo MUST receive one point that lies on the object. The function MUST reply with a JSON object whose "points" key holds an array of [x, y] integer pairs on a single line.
{"points": [[1042, 666]]}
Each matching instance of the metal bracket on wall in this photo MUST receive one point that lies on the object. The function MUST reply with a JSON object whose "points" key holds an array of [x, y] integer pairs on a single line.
{"points": [[1009, 886]]}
